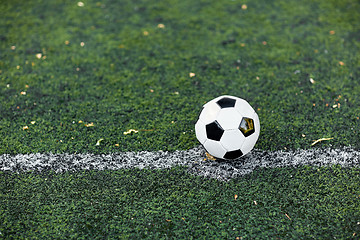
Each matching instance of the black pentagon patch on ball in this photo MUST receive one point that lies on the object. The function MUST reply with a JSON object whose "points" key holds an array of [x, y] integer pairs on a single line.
{"points": [[214, 131], [226, 102], [233, 154], [247, 126]]}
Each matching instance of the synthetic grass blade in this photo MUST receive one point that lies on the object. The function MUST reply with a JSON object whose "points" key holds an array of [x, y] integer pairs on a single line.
{"points": [[194, 158]]}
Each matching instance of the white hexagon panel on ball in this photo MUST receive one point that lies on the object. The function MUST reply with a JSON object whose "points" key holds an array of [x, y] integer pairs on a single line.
{"points": [[228, 127]]}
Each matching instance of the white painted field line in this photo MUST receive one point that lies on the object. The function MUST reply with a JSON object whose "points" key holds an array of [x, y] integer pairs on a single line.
{"points": [[193, 159]]}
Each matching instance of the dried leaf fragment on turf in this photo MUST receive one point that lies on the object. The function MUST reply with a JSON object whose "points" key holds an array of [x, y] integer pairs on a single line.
{"points": [[209, 157], [131, 131], [98, 142], [320, 140], [147, 130], [89, 124]]}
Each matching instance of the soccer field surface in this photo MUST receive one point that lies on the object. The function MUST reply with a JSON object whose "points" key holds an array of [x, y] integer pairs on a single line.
{"points": [[98, 101]]}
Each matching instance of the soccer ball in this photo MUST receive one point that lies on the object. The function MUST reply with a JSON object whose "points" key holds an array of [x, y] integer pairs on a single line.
{"points": [[228, 127]]}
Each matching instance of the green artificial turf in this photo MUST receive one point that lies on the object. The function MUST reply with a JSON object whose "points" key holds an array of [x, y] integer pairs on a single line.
{"points": [[73, 75], [120, 65], [287, 203]]}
